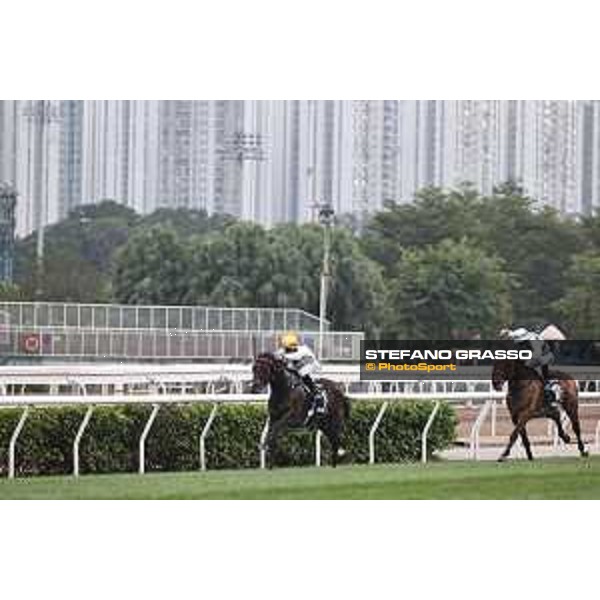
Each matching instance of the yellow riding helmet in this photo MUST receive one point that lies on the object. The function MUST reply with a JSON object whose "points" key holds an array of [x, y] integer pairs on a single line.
{"points": [[290, 340]]}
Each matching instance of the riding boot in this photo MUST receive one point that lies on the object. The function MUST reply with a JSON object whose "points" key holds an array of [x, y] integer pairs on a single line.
{"points": [[316, 399], [547, 393], [549, 397]]}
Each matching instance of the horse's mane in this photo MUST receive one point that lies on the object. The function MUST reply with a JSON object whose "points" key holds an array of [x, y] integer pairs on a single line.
{"points": [[267, 356], [519, 365], [559, 375], [270, 358]]}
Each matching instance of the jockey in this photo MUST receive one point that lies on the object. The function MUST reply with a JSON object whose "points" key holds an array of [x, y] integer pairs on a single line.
{"points": [[301, 360], [541, 360]]}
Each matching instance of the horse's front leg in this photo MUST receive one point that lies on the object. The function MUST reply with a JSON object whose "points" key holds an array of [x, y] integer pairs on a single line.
{"points": [[519, 428], [333, 434], [526, 444], [524, 439], [276, 428]]}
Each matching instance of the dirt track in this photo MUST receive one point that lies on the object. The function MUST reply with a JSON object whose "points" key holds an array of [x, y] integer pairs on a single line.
{"points": [[541, 431]]}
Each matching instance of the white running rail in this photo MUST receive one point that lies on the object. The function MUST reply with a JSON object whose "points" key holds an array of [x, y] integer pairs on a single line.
{"points": [[33, 401], [373, 431]]}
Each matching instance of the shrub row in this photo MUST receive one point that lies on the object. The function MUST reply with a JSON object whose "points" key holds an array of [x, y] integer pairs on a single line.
{"points": [[110, 443]]}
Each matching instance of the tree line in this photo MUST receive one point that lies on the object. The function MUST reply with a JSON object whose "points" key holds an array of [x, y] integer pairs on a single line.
{"points": [[451, 263]]}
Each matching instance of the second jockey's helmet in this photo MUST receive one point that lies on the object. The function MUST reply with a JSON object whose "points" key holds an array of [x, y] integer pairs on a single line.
{"points": [[522, 335]]}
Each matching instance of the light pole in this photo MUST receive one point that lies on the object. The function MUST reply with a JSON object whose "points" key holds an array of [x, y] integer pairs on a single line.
{"points": [[41, 113], [8, 201], [326, 214]]}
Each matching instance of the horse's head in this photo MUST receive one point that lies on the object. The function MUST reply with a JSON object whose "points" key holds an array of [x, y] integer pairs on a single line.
{"points": [[503, 371], [265, 369]]}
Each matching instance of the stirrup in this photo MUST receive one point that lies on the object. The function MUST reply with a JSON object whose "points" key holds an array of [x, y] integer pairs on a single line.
{"points": [[552, 393]]}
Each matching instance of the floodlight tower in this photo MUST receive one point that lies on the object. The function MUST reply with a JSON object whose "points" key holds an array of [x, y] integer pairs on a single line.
{"points": [[40, 114]]}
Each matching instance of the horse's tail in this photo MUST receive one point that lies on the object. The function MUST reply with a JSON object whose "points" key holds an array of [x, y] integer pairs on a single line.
{"points": [[336, 391]]}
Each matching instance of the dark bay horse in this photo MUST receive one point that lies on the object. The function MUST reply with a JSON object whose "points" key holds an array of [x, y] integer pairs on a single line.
{"points": [[288, 404], [525, 401]]}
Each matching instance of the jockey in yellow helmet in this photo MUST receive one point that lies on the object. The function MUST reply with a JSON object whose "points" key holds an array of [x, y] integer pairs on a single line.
{"points": [[301, 360]]}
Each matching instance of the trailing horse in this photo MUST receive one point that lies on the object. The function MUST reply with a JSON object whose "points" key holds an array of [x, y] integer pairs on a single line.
{"points": [[288, 404], [525, 401]]}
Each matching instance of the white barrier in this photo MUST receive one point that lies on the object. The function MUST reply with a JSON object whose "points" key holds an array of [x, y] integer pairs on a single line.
{"points": [[131, 374], [156, 400], [211, 397], [29, 401], [373, 431], [78, 436]]}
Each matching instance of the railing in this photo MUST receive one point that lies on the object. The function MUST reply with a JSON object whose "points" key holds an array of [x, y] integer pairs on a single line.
{"points": [[162, 344], [121, 316], [159, 399], [229, 375], [29, 402]]}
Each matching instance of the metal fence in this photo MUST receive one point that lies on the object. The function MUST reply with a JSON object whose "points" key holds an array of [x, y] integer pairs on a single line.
{"points": [[157, 344], [120, 316]]}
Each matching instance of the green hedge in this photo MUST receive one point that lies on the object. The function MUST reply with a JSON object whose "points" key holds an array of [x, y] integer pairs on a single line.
{"points": [[110, 443]]}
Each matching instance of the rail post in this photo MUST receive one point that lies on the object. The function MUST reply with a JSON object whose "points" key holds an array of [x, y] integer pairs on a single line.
{"points": [[263, 441], [205, 430], [425, 432], [84, 424], [373, 431], [598, 435], [318, 437], [494, 418], [142, 467], [474, 449], [13, 442]]}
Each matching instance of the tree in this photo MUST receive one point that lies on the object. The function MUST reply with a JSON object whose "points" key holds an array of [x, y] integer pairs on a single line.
{"points": [[105, 209], [187, 222], [580, 306], [152, 268], [9, 292], [434, 215], [590, 231], [228, 269], [536, 245], [448, 290], [99, 230], [249, 266], [83, 244]]}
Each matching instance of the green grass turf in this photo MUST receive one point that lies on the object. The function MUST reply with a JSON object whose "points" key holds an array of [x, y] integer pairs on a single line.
{"points": [[543, 479]]}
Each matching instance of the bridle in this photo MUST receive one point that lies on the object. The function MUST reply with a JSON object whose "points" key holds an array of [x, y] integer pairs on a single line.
{"points": [[266, 366]]}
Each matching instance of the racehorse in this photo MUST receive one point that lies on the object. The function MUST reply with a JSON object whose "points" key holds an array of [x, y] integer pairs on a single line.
{"points": [[288, 404], [525, 401]]}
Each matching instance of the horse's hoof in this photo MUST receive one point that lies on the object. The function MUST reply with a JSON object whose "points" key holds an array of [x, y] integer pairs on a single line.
{"points": [[502, 458], [585, 454]]}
